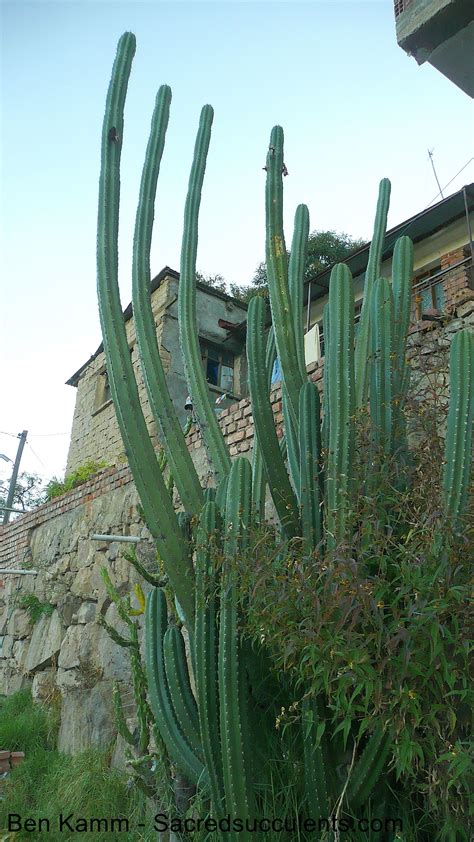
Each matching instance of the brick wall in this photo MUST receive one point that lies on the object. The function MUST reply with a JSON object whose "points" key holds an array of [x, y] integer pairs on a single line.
{"points": [[458, 283]]}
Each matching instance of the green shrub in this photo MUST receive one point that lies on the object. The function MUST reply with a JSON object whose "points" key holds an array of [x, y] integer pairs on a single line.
{"points": [[57, 487], [35, 607]]}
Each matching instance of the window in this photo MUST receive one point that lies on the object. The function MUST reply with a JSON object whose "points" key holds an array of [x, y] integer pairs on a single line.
{"points": [[102, 394], [218, 366], [428, 294]]}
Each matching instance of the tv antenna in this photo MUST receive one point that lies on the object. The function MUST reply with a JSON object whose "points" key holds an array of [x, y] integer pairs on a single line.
{"points": [[430, 155]]}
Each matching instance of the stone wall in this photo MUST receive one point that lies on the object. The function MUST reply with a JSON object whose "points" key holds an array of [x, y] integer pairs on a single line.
{"points": [[95, 434], [67, 652]]}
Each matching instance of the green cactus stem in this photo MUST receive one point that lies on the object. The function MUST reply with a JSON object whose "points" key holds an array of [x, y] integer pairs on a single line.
{"points": [[155, 500], [340, 372], [120, 722], [372, 272], [326, 383], [198, 388], [296, 271], [458, 446], [177, 674], [381, 366], [311, 492], [369, 767], [279, 484], [171, 433], [206, 647], [234, 756], [259, 477], [277, 269], [402, 274], [315, 775], [156, 620]]}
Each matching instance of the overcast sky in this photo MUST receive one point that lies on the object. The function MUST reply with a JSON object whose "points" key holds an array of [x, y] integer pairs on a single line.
{"points": [[353, 106]]}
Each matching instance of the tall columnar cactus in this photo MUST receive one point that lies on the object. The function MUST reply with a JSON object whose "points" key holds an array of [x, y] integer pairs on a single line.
{"points": [[362, 351], [188, 333], [458, 449], [279, 484], [171, 434], [157, 506], [340, 404], [206, 732], [381, 371], [277, 269]]}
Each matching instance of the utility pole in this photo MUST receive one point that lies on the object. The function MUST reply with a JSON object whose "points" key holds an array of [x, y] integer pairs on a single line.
{"points": [[11, 491], [430, 154]]}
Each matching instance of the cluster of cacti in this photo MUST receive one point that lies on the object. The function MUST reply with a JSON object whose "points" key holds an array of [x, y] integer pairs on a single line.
{"points": [[310, 475]]}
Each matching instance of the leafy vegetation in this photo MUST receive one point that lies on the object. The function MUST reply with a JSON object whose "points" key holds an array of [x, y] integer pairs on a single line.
{"points": [[57, 487], [325, 248], [29, 492], [35, 607], [379, 627]]}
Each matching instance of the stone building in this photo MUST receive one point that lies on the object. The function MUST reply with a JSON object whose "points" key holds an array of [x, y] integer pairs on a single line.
{"points": [[95, 434]]}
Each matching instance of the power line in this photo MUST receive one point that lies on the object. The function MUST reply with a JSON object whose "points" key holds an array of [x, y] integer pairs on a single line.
{"points": [[35, 435], [450, 182], [36, 456]]}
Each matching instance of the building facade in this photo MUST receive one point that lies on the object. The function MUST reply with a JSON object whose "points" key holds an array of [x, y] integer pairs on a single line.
{"points": [[95, 434]]}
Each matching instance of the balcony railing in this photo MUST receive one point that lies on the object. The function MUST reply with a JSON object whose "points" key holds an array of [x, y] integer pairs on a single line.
{"points": [[400, 6]]}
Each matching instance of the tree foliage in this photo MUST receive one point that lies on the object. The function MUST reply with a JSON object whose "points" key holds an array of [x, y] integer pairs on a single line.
{"points": [[325, 248], [29, 492]]}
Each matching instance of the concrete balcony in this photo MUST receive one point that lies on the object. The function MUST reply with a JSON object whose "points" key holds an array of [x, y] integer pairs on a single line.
{"points": [[442, 33]]}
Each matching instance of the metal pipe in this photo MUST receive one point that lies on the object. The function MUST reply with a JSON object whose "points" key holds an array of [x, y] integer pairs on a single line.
{"points": [[18, 572], [125, 539], [469, 230]]}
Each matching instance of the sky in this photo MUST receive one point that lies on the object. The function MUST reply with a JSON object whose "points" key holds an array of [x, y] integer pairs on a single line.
{"points": [[354, 107]]}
